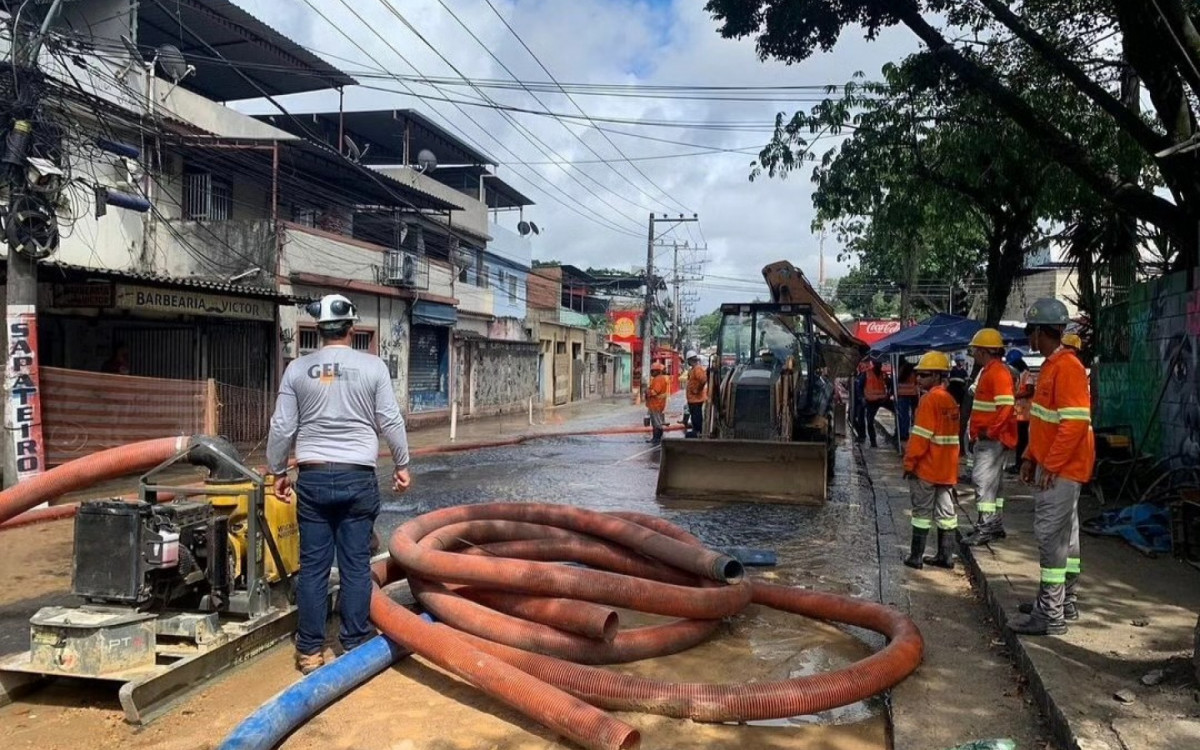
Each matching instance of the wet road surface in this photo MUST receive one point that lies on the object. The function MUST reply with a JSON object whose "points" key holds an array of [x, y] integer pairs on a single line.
{"points": [[830, 548]]}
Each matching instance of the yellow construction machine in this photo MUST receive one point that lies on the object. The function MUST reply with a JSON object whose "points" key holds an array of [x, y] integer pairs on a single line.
{"points": [[768, 433]]}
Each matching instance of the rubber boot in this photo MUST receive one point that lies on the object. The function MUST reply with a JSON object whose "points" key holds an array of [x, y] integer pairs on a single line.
{"points": [[1070, 610], [916, 555], [988, 529], [945, 553], [658, 435]]}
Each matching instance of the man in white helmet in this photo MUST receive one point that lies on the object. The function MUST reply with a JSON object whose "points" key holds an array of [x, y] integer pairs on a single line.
{"points": [[332, 405]]}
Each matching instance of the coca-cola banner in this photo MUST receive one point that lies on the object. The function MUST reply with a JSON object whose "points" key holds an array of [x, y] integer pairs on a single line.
{"points": [[872, 331]]}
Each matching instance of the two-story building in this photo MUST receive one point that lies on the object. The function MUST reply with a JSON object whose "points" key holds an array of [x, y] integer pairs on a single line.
{"points": [[462, 270]]}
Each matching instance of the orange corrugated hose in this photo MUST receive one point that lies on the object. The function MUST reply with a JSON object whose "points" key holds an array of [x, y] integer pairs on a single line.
{"points": [[635, 561]]}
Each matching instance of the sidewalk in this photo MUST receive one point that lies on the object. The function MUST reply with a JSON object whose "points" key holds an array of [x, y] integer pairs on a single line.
{"points": [[1134, 636]]}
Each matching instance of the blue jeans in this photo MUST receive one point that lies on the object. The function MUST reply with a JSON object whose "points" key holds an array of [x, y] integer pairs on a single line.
{"points": [[337, 511], [906, 407]]}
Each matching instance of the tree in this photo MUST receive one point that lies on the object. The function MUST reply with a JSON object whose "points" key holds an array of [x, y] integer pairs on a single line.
{"points": [[706, 328], [925, 185], [1159, 44]]}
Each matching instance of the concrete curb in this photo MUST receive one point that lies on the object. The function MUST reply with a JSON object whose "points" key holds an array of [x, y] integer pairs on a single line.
{"points": [[1057, 721]]}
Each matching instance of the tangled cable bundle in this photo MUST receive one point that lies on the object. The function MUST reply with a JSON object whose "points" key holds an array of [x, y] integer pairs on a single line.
{"points": [[526, 630]]}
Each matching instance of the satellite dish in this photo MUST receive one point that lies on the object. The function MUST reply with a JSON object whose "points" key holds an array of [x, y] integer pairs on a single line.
{"points": [[534, 227], [523, 227], [172, 62], [426, 160], [353, 152]]}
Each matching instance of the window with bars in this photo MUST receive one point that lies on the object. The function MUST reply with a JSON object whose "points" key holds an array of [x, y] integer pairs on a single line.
{"points": [[207, 197], [310, 341], [512, 289]]}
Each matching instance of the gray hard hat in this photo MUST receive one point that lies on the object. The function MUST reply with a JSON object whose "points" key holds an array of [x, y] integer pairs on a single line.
{"points": [[1047, 312]]}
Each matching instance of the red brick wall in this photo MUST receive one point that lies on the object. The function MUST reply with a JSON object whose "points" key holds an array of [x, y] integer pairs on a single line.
{"points": [[544, 289]]}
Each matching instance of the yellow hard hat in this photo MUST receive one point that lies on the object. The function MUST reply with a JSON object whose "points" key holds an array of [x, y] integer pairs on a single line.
{"points": [[933, 362], [988, 338], [1072, 340]]}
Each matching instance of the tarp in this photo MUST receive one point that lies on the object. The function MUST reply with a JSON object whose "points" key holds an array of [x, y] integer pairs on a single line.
{"points": [[941, 332]]}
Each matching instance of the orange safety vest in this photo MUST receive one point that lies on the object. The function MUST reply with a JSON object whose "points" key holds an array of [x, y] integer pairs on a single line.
{"points": [[875, 389], [656, 396], [697, 381], [1060, 424], [992, 409], [932, 452], [1025, 385], [908, 386]]}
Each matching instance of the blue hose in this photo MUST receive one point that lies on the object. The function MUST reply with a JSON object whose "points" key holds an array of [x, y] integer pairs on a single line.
{"points": [[275, 719]]}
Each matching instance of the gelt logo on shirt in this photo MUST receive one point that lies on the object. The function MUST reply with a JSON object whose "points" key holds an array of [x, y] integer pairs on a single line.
{"points": [[325, 373]]}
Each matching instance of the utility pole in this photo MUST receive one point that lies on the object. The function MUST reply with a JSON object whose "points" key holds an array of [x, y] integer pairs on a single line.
{"points": [[675, 307], [24, 453], [648, 303]]}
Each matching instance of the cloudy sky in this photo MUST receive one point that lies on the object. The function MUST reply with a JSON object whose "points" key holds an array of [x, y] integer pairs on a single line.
{"points": [[596, 214]]}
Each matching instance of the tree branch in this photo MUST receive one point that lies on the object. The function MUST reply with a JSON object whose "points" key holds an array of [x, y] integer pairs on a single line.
{"points": [[1132, 198], [1126, 119]]}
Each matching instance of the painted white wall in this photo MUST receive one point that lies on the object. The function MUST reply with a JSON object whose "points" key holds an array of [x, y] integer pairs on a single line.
{"points": [[474, 217]]}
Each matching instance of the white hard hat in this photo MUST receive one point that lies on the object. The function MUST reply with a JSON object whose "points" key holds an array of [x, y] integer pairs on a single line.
{"points": [[332, 308], [692, 355]]}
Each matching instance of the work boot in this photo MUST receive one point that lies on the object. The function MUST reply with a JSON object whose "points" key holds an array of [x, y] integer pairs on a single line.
{"points": [[945, 553], [916, 555], [1070, 610], [657, 439], [309, 663], [1035, 624], [985, 532]]}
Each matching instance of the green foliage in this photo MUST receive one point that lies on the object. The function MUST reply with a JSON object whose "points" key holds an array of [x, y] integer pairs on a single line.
{"points": [[706, 327]]}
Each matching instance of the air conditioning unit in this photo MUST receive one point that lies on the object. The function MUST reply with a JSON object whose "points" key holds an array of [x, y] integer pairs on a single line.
{"points": [[401, 269]]}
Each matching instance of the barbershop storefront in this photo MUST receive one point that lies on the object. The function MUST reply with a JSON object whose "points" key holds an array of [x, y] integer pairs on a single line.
{"points": [[184, 331]]}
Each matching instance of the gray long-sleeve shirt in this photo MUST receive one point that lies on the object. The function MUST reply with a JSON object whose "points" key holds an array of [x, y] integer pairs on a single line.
{"points": [[333, 404]]}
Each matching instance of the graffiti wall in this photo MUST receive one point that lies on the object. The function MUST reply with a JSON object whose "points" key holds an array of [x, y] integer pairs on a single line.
{"points": [[1148, 347]]}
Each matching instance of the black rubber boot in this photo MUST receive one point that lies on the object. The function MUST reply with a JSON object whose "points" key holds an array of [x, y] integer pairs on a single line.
{"points": [[1035, 624], [1070, 610], [945, 553], [916, 555]]}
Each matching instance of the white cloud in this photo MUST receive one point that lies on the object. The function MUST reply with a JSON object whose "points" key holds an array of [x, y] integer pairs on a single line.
{"points": [[747, 225]]}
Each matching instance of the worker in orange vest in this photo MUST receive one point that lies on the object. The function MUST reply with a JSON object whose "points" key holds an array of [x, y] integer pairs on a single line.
{"points": [[991, 431], [877, 393], [697, 394], [931, 464], [657, 391], [1061, 455]]}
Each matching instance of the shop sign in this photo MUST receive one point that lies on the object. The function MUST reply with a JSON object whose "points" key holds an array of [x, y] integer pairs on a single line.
{"points": [[82, 295], [191, 302], [624, 327], [23, 409]]}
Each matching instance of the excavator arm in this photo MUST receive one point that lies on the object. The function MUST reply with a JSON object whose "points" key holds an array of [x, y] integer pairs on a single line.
{"points": [[789, 285]]}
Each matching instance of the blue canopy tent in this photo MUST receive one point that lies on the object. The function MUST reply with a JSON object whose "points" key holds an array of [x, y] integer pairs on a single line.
{"points": [[942, 332]]}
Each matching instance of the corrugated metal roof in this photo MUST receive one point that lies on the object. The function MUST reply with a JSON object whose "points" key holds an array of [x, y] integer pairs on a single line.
{"points": [[273, 63], [66, 270]]}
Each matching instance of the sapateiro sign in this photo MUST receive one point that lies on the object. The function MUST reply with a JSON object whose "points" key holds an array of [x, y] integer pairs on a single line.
{"points": [[23, 410], [191, 302]]}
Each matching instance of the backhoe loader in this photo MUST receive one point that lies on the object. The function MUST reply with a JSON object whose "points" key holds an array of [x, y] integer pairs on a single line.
{"points": [[768, 421]]}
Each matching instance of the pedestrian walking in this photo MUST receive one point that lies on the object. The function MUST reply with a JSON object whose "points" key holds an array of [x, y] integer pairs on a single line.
{"points": [[697, 393], [992, 431], [878, 393], [657, 391], [907, 395], [1059, 461], [332, 406], [931, 464], [859, 402]]}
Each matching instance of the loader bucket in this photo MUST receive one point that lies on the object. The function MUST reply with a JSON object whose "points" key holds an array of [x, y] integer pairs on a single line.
{"points": [[756, 471]]}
